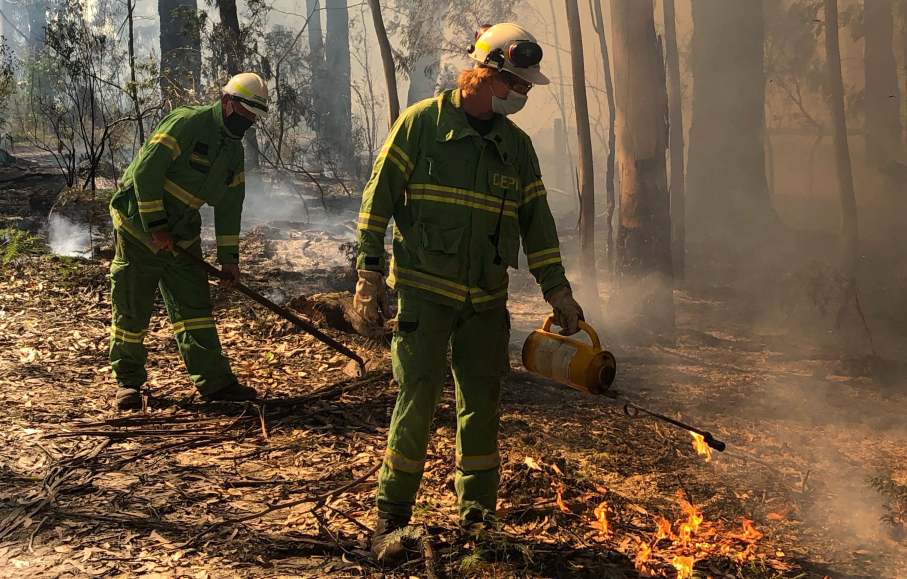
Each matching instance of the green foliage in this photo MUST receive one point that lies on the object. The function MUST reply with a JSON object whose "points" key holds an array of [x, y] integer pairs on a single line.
{"points": [[17, 243], [895, 501]]}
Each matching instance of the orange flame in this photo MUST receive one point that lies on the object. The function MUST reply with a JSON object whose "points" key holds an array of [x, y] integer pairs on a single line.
{"points": [[642, 556], [701, 448], [694, 519], [559, 499], [684, 566], [601, 520], [750, 533], [663, 530]]}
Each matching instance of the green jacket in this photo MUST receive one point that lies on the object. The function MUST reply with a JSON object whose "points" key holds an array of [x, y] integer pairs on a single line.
{"points": [[449, 190], [190, 159]]}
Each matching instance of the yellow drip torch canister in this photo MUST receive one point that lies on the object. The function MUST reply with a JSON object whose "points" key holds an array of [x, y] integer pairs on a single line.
{"points": [[587, 368]]}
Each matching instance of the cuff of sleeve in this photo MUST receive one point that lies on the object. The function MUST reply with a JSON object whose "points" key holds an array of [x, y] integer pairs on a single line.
{"points": [[156, 221], [227, 254], [370, 262], [551, 287]]}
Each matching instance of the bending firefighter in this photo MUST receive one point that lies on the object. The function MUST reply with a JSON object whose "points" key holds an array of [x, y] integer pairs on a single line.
{"points": [[194, 157], [463, 186]]}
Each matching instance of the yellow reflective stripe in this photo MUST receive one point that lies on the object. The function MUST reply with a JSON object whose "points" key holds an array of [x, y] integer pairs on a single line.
{"points": [[126, 336], [403, 157], [228, 240], [189, 242], [199, 159], [372, 222], [238, 180], [150, 206], [427, 282], [480, 296], [533, 191], [192, 324], [167, 141], [397, 461], [433, 279], [463, 202], [543, 253], [122, 224], [478, 462], [482, 45], [183, 195], [544, 257], [492, 200]]}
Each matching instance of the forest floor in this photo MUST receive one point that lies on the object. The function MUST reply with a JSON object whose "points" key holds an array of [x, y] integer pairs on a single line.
{"points": [[813, 484]]}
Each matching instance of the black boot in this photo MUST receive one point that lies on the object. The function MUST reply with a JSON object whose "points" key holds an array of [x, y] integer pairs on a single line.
{"points": [[235, 392], [392, 538], [128, 398]]}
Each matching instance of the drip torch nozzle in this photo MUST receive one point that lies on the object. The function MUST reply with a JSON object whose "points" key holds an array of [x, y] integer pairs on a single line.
{"points": [[713, 442]]}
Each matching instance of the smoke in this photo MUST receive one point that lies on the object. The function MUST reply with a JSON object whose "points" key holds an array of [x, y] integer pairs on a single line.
{"points": [[68, 238]]}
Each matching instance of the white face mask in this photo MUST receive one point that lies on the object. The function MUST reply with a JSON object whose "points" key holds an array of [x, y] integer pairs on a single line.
{"points": [[512, 104]]}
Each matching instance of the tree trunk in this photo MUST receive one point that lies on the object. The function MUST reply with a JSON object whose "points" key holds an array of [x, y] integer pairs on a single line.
{"points": [[181, 58], [586, 171], [727, 192], [337, 48], [644, 230], [675, 141], [387, 60], [37, 20], [133, 85], [849, 233], [596, 6], [316, 64], [565, 169], [235, 56], [883, 119]]}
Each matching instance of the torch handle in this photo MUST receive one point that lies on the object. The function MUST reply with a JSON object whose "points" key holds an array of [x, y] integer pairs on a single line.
{"points": [[707, 437], [282, 312]]}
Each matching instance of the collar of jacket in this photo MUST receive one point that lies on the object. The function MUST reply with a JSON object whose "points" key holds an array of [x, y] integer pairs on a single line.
{"points": [[452, 125], [217, 109]]}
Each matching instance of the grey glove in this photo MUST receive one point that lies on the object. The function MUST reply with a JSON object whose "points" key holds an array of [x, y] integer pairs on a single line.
{"points": [[370, 307], [567, 313]]}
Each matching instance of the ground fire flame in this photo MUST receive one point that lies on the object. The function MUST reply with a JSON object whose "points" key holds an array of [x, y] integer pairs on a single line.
{"points": [[700, 446], [689, 539]]}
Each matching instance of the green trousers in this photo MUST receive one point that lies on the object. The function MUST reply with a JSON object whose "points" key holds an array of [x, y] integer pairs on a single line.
{"points": [[135, 274], [478, 342]]}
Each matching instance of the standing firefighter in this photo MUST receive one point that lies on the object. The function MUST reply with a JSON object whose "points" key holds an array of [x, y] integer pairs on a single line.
{"points": [[194, 157], [463, 186]]}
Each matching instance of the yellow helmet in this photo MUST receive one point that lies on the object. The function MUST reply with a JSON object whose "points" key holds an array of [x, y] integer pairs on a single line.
{"points": [[512, 48], [249, 89]]}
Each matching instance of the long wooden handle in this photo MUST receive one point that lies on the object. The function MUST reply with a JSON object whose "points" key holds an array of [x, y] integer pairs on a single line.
{"points": [[307, 327]]}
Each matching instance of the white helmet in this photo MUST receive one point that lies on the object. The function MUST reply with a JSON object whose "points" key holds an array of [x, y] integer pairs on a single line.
{"points": [[249, 89], [509, 47]]}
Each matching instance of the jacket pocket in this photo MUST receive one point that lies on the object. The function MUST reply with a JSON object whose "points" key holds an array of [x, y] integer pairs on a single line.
{"points": [[439, 249]]}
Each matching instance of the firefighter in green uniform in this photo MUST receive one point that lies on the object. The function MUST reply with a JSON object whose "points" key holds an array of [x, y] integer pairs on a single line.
{"points": [[193, 157], [463, 186]]}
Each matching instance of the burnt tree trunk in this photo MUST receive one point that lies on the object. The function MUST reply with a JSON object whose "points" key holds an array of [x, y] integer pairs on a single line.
{"points": [[727, 189], [596, 6], [883, 119], [675, 141], [644, 223], [337, 62], [849, 233], [235, 59], [387, 60], [181, 58], [586, 175], [133, 85], [316, 64]]}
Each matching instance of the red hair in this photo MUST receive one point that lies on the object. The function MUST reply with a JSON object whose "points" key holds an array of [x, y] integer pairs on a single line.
{"points": [[471, 79]]}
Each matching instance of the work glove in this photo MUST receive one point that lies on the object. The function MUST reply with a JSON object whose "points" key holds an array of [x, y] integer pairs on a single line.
{"points": [[162, 240], [567, 313], [370, 307]]}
